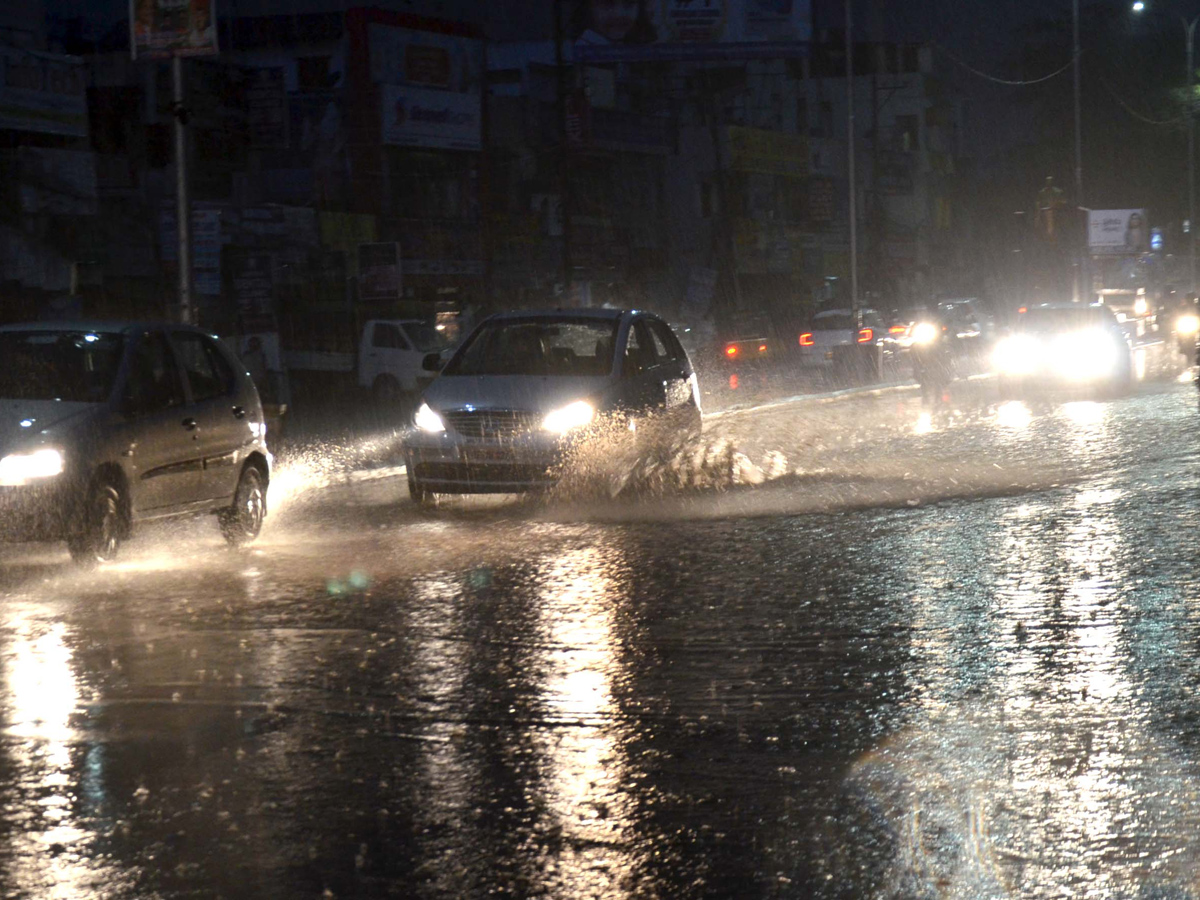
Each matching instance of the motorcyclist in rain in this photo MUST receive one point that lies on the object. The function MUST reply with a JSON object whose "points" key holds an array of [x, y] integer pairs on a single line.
{"points": [[932, 355]]}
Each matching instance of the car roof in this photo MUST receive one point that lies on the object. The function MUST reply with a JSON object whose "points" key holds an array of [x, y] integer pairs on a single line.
{"points": [[572, 313], [99, 326], [844, 312]]}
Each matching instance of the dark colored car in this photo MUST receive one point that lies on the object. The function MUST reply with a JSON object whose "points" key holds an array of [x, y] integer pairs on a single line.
{"points": [[104, 425], [1072, 345]]}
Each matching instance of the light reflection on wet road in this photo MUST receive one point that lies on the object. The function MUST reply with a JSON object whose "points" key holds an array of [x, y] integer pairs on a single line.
{"points": [[933, 655]]}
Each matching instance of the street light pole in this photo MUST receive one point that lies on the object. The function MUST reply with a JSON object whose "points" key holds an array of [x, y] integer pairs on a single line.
{"points": [[850, 154]]}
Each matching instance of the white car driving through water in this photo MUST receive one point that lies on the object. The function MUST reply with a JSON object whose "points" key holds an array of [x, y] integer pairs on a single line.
{"points": [[526, 386]]}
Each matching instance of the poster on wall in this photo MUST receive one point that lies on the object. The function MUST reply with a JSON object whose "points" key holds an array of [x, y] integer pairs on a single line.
{"points": [[164, 28]]}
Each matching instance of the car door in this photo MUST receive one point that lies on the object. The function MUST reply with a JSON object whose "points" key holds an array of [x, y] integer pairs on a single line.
{"points": [[642, 388], [671, 366], [221, 421], [157, 435]]}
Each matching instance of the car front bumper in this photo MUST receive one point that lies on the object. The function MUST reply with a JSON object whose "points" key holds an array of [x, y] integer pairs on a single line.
{"points": [[451, 464]]}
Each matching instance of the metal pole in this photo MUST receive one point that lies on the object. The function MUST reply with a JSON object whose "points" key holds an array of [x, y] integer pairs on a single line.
{"points": [[183, 202], [1191, 151], [1080, 283], [856, 313], [564, 175]]}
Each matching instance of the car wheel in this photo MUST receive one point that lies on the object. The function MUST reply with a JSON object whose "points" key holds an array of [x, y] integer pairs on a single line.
{"points": [[99, 536], [241, 523], [386, 390], [420, 495]]}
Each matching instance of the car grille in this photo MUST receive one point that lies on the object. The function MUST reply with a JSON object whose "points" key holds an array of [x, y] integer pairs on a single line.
{"points": [[490, 423], [485, 473]]}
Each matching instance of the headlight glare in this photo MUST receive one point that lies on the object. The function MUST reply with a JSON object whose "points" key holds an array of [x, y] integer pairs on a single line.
{"points": [[1016, 355], [18, 469], [573, 415], [428, 421], [1187, 324], [924, 333]]}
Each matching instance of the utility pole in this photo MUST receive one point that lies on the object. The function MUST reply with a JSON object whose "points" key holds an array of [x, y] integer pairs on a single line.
{"points": [[183, 204], [1081, 286], [564, 169], [856, 313], [1190, 28]]}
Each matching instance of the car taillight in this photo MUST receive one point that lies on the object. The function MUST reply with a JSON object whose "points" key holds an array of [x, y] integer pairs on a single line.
{"points": [[733, 382], [731, 351], [762, 348], [898, 329], [806, 339], [866, 335], [1022, 310]]}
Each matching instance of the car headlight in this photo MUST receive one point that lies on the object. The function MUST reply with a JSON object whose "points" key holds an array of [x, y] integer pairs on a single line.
{"points": [[428, 421], [1187, 324], [1086, 355], [1140, 306], [573, 415], [1017, 355], [18, 469], [924, 333]]}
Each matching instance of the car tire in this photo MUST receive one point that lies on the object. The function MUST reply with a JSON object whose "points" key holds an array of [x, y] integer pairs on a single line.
{"points": [[421, 496], [101, 527], [242, 522], [386, 390]]}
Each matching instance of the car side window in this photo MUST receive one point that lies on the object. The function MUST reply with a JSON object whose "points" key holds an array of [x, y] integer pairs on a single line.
{"points": [[666, 345], [388, 337], [208, 374], [639, 350], [154, 382]]}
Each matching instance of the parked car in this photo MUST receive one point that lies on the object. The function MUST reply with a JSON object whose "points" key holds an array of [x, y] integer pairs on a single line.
{"points": [[1071, 345], [104, 425], [525, 386], [391, 353]]}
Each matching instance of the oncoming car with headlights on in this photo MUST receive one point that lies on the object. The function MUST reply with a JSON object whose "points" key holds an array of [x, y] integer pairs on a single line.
{"points": [[103, 425], [1074, 347], [525, 387]]}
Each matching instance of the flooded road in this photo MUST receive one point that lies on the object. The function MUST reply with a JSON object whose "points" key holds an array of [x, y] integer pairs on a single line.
{"points": [[842, 649]]}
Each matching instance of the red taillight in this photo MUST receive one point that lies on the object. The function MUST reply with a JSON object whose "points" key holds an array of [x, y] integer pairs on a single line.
{"points": [[898, 329], [731, 351], [733, 381], [762, 348], [1022, 310], [866, 335], [806, 339]]}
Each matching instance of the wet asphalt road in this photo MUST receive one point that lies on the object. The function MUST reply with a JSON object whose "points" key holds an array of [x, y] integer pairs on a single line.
{"points": [[847, 649]]}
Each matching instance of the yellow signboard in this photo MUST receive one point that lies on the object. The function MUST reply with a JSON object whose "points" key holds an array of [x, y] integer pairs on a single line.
{"points": [[769, 152]]}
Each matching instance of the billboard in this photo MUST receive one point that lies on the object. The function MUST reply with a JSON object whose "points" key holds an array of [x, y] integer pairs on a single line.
{"points": [[421, 117], [690, 22], [161, 28], [1118, 231], [42, 92]]}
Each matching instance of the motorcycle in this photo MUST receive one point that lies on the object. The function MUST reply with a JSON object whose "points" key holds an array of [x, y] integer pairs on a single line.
{"points": [[932, 359]]}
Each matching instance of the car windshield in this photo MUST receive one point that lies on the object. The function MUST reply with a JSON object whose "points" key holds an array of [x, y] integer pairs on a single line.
{"points": [[1045, 321], [424, 336], [73, 366], [538, 346]]}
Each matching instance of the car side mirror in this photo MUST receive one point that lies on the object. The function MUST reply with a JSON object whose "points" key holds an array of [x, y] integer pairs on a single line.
{"points": [[432, 362]]}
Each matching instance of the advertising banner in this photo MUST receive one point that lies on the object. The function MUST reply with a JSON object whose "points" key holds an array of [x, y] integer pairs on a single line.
{"points": [[1118, 231], [425, 59], [163, 28], [379, 271], [769, 152], [420, 117], [42, 92]]}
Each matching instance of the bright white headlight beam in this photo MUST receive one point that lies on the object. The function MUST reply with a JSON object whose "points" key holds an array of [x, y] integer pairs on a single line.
{"points": [[573, 415]]}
